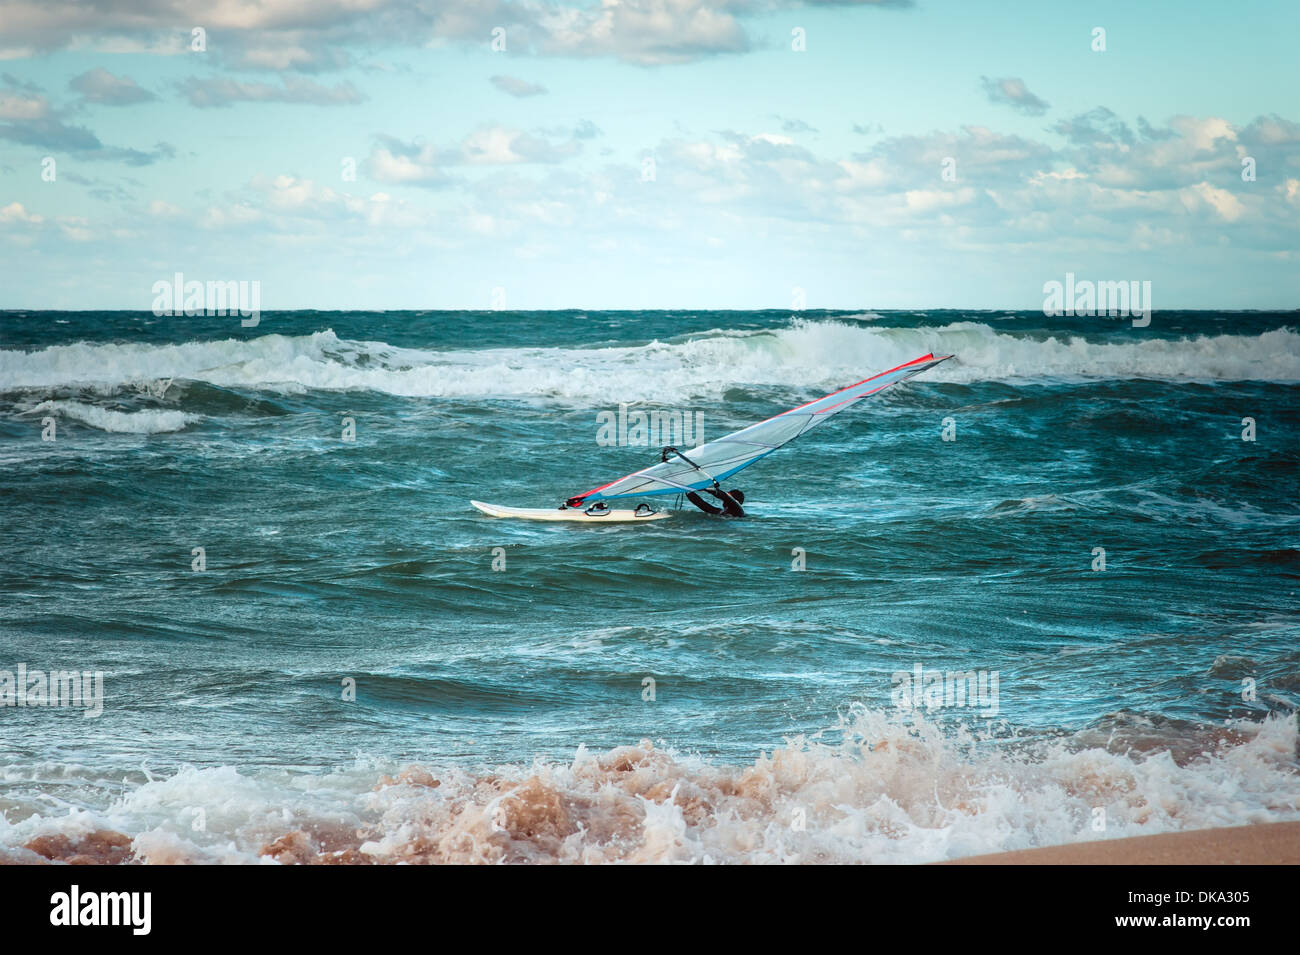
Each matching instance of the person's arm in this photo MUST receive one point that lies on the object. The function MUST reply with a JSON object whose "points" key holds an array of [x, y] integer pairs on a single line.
{"points": [[729, 507], [701, 503]]}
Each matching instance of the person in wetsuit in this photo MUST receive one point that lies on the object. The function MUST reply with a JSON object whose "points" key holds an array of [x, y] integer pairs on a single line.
{"points": [[731, 501]]}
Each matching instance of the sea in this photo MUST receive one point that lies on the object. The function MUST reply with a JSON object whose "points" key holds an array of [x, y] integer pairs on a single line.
{"points": [[1044, 593]]}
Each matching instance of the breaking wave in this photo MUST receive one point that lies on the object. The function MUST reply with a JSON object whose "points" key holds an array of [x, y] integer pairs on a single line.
{"points": [[804, 355], [875, 790], [118, 422]]}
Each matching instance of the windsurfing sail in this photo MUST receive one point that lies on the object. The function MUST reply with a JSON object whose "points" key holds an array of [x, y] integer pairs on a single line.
{"points": [[715, 461]]}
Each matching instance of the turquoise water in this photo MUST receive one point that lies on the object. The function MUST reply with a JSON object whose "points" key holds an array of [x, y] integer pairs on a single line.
{"points": [[332, 560]]}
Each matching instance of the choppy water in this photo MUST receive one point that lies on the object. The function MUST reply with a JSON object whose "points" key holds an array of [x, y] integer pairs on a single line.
{"points": [[329, 560]]}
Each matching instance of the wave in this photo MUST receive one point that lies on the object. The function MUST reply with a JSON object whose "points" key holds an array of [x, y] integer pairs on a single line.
{"points": [[806, 354], [874, 789], [150, 421]]}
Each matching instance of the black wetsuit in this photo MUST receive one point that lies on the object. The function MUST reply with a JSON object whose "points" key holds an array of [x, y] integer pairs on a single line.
{"points": [[729, 506]]}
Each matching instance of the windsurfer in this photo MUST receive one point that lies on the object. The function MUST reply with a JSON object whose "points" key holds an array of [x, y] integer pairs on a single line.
{"points": [[731, 501]]}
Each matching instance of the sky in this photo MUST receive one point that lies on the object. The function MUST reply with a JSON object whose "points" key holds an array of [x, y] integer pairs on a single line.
{"points": [[389, 154]]}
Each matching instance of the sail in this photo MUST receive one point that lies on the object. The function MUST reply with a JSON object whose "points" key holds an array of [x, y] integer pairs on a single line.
{"points": [[720, 459]]}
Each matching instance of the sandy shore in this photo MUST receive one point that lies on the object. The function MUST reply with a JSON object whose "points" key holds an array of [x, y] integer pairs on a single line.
{"points": [[1276, 843]]}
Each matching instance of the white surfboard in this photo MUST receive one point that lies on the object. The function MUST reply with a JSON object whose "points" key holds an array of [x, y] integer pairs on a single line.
{"points": [[573, 514]]}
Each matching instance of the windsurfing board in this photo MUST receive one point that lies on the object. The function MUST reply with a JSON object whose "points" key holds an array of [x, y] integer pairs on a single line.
{"points": [[572, 514]]}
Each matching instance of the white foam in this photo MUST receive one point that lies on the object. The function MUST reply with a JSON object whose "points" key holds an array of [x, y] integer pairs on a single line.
{"points": [[149, 421], [802, 355], [887, 791]]}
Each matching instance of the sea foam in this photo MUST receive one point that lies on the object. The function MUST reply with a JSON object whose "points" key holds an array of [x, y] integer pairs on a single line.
{"points": [[148, 421], [875, 790], [824, 354]]}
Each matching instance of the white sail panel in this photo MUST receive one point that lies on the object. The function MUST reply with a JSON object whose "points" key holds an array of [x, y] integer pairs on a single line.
{"points": [[719, 459]]}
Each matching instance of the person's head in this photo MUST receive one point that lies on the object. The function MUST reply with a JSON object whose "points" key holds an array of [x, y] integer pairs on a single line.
{"points": [[737, 495]]}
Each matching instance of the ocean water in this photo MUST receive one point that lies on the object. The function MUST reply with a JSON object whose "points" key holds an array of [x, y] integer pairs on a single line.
{"points": [[675, 691]]}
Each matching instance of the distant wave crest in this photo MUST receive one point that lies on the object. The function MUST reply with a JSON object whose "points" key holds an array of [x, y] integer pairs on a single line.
{"points": [[805, 354]]}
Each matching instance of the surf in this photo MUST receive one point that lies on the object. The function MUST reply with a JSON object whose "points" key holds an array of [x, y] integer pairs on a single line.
{"points": [[871, 788], [798, 355]]}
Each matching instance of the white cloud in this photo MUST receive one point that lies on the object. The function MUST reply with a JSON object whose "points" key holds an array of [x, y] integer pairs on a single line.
{"points": [[162, 209], [76, 228], [14, 212], [418, 163], [926, 200], [1225, 204], [419, 167], [1012, 91], [100, 86], [220, 91], [514, 86], [230, 216], [15, 105], [313, 35], [1202, 134]]}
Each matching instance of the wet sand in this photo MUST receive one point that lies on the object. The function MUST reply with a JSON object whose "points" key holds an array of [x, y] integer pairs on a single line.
{"points": [[1275, 843]]}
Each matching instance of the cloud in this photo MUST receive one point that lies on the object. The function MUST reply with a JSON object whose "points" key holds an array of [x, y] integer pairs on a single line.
{"points": [[1186, 151], [26, 118], [162, 209], [293, 35], [422, 164], [49, 133], [15, 213], [21, 101], [1271, 130], [12, 81], [57, 136], [1053, 198], [767, 147], [925, 200], [76, 228], [643, 32], [218, 92], [981, 154], [100, 86], [102, 189], [1225, 205], [586, 129], [795, 126], [517, 87], [231, 215], [660, 32], [500, 145], [1109, 184], [300, 51], [1011, 91], [1099, 128], [289, 205], [1203, 133], [413, 164]]}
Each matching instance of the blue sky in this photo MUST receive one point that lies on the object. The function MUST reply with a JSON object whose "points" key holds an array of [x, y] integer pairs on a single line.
{"points": [[522, 169]]}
